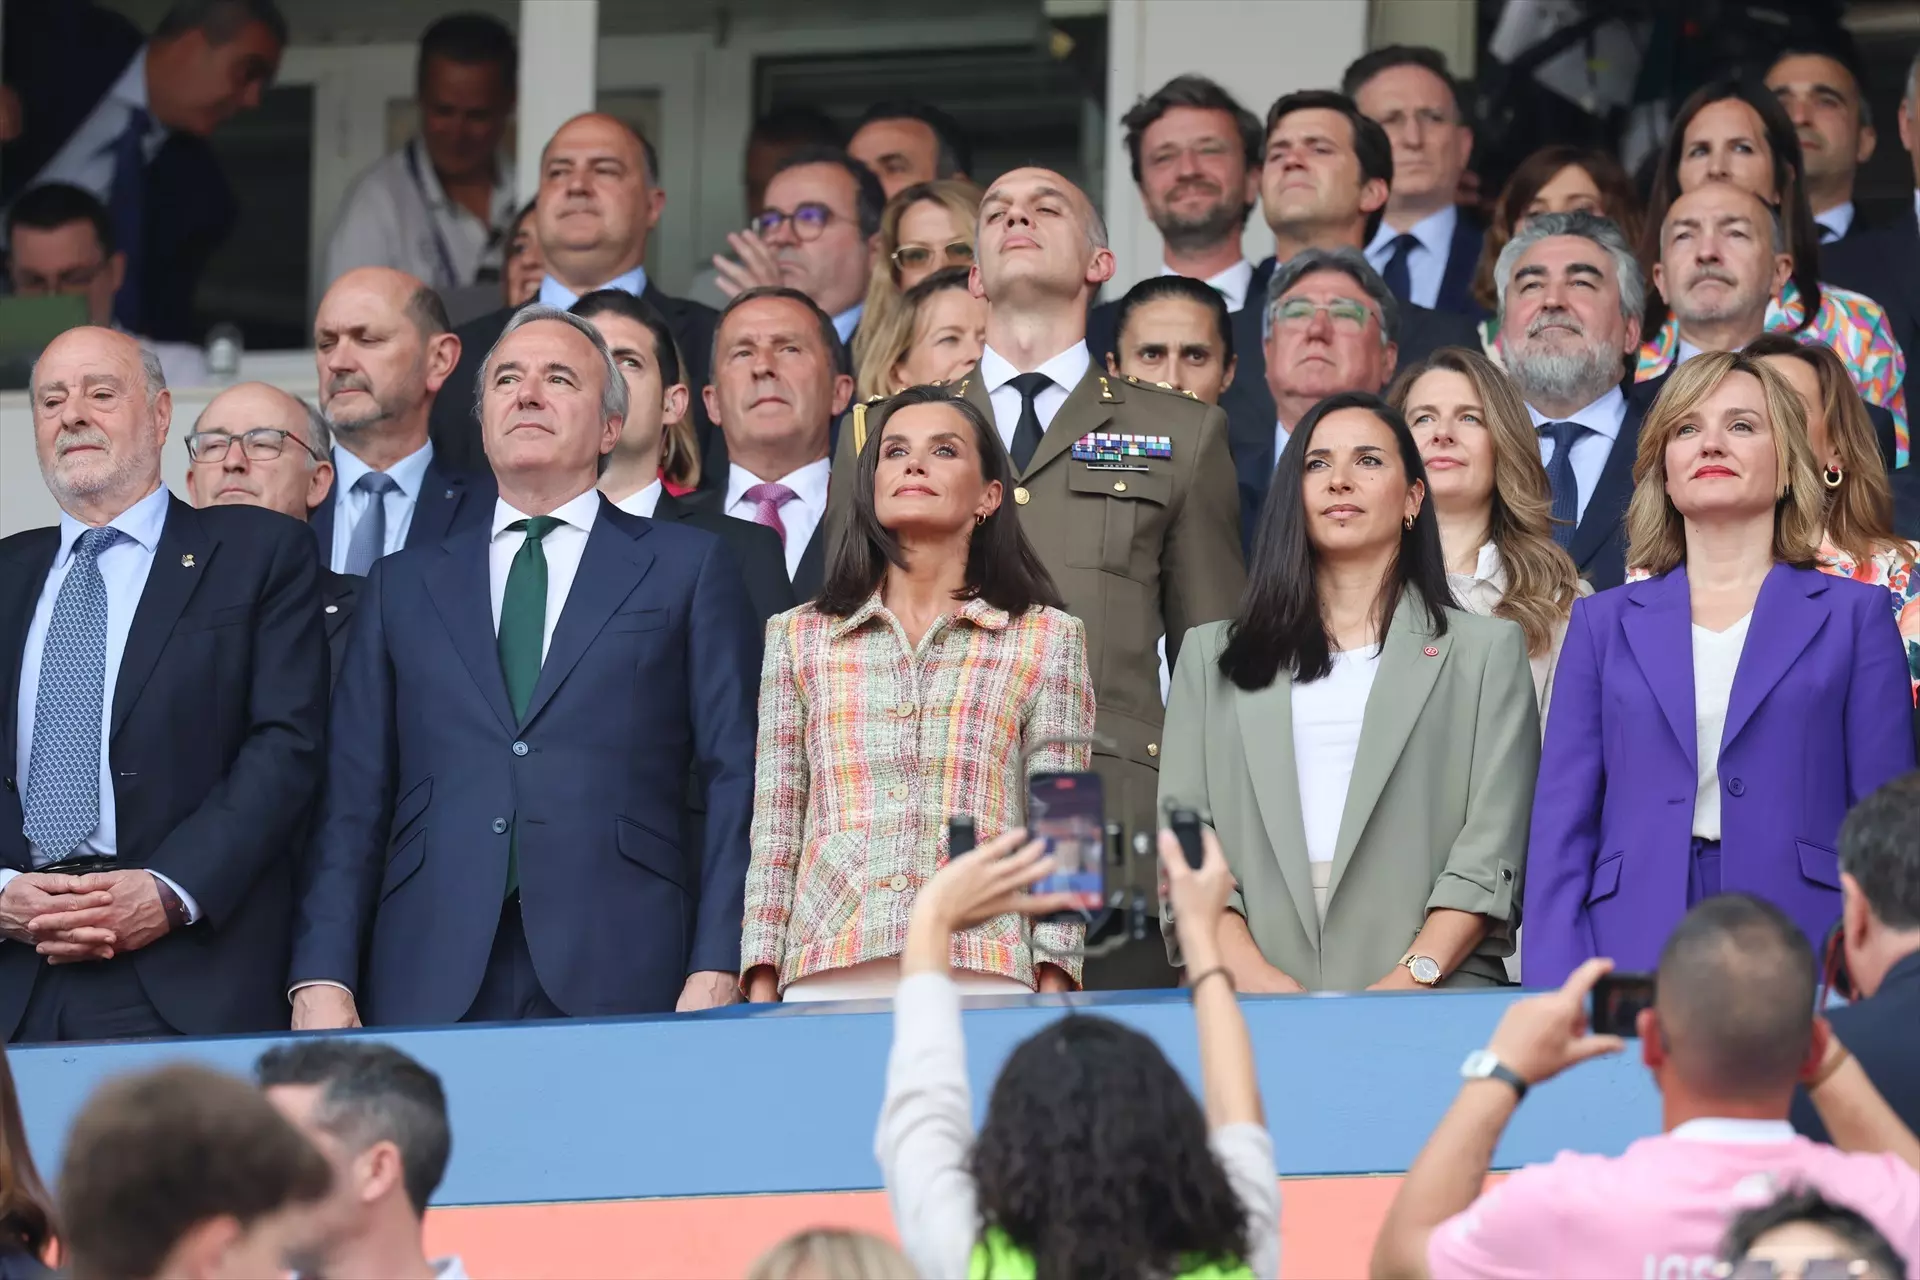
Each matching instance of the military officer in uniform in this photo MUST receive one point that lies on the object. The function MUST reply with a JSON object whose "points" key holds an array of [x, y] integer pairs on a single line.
{"points": [[1126, 490]]}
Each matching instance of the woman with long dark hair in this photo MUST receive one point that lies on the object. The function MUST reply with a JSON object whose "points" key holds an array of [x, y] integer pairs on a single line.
{"points": [[28, 1224], [1094, 1159], [934, 672], [1733, 130], [1366, 749]]}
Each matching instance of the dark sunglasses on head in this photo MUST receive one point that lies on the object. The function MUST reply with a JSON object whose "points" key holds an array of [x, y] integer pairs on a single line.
{"points": [[914, 256]]}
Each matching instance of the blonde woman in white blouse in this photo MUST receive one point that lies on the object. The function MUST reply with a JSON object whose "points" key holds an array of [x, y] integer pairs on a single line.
{"points": [[1490, 494]]}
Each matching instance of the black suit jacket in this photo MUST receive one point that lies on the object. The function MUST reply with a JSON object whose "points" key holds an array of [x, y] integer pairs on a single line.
{"points": [[1906, 501], [757, 550], [1884, 264], [1883, 1032], [218, 728], [450, 500], [1599, 547], [456, 427], [337, 594], [61, 57], [1251, 419], [1463, 258]]}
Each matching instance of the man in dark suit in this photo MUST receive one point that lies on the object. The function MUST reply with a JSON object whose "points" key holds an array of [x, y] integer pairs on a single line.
{"points": [[1880, 931], [1821, 93], [255, 445], [1426, 248], [599, 201], [647, 357], [777, 391], [1327, 176], [128, 120], [163, 685], [514, 729], [384, 351], [1571, 298]]}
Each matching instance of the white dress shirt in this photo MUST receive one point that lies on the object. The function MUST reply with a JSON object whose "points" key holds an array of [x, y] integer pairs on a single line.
{"points": [[398, 215], [1602, 420], [1835, 222], [348, 505], [644, 502], [86, 161], [555, 294], [801, 515], [124, 567], [1426, 264], [1281, 434], [1066, 370], [1327, 715], [847, 321], [1685, 352], [1716, 657], [564, 544], [1231, 284]]}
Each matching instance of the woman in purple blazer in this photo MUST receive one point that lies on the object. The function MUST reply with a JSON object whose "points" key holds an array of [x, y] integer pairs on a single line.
{"points": [[1739, 699]]}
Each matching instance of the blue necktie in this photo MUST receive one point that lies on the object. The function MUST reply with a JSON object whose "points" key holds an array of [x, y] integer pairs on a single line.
{"points": [[1399, 279], [126, 205], [369, 540], [1566, 488], [63, 770]]}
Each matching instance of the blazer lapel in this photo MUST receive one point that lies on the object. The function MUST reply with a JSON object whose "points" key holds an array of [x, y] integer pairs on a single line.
{"points": [[1086, 409], [1400, 687], [612, 565], [22, 577], [1266, 735], [463, 595], [439, 502], [1659, 629], [183, 557], [1607, 507], [320, 520], [337, 590], [1786, 617]]}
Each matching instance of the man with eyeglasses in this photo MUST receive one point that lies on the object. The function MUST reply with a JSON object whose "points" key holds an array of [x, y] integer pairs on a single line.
{"points": [[1331, 324], [61, 244], [817, 231], [254, 445], [598, 203]]}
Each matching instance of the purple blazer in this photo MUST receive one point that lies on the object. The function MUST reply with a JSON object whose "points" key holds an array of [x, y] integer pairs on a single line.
{"points": [[1821, 714]]}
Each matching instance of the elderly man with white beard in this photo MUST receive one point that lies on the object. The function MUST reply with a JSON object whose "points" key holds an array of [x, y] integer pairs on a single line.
{"points": [[1571, 297]]}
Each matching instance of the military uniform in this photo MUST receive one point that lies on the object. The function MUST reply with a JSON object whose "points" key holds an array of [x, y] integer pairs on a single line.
{"points": [[1139, 544]]}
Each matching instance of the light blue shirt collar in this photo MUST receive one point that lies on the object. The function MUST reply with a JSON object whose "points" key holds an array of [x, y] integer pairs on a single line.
{"points": [[131, 87], [1838, 219], [141, 523], [1434, 232], [847, 321], [1603, 417], [409, 473], [555, 294]]}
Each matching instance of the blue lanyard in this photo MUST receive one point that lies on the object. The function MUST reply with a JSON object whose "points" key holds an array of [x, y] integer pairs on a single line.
{"points": [[448, 273]]}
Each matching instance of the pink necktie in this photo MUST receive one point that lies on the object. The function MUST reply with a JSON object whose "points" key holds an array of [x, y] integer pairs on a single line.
{"points": [[767, 500]]}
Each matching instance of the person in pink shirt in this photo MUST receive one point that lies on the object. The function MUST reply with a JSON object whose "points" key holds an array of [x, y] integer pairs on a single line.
{"points": [[1730, 1033]]}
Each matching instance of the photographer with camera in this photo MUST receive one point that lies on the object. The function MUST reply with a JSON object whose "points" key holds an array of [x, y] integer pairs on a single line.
{"points": [[1094, 1158], [1878, 949], [1729, 1034]]}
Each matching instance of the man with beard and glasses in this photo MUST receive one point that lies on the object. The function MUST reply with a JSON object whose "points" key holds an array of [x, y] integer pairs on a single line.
{"points": [[383, 349], [1571, 296]]}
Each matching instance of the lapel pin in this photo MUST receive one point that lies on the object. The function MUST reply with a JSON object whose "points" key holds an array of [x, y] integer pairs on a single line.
{"points": [[449, 493], [186, 561], [1431, 651]]}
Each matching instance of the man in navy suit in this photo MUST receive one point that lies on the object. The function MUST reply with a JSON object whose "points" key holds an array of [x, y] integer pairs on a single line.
{"points": [[128, 120], [1571, 298], [1426, 248], [513, 734], [384, 349], [163, 689]]}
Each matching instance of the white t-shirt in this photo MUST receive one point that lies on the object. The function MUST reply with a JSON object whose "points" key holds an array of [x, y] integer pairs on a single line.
{"points": [[1716, 656], [1327, 714]]}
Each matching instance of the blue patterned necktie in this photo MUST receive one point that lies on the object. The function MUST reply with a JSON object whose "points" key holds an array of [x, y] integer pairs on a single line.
{"points": [[369, 541], [127, 207], [1561, 479], [63, 771]]}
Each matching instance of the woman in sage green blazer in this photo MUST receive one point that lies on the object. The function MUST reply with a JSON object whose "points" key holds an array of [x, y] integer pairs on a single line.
{"points": [[1372, 795]]}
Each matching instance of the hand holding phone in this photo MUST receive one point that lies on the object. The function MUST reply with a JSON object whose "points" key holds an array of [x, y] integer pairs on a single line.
{"points": [[1067, 811], [1618, 999], [1186, 828], [960, 835]]}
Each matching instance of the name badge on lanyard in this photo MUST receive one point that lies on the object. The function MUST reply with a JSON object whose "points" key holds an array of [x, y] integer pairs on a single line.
{"points": [[448, 276]]}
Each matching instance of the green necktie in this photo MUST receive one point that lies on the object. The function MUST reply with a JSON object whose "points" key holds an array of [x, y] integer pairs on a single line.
{"points": [[523, 627]]}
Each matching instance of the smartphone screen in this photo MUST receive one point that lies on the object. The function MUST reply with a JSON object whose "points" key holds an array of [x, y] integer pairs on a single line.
{"points": [[1618, 999], [1068, 811]]}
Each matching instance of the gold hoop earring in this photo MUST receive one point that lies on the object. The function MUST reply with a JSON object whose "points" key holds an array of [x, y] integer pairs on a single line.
{"points": [[1833, 477], [1409, 524], [979, 520]]}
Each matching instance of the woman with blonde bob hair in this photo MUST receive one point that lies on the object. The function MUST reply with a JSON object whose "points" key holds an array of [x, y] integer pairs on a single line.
{"points": [[934, 336], [925, 228], [1491, 497], [1738, 695]]}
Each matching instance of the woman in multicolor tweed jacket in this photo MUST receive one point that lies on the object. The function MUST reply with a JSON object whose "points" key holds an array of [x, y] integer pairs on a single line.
{"points": [[935, 671]]}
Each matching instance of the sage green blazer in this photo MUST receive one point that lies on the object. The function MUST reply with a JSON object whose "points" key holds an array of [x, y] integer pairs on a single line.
{"points": [[1436, 813]]}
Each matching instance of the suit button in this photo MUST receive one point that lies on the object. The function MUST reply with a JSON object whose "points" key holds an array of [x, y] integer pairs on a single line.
{"points": [[1021, 496], [898, 884], [1737, 787], [1153, 749], [904, 709], [499, 826], [898, 793], [1119, 486], [519, 748], [333, 608], [9, 783]]}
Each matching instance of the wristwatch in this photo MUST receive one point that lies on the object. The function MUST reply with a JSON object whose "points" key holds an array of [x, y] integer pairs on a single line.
{"points": [[1425, 969], [1482, 1065]]}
